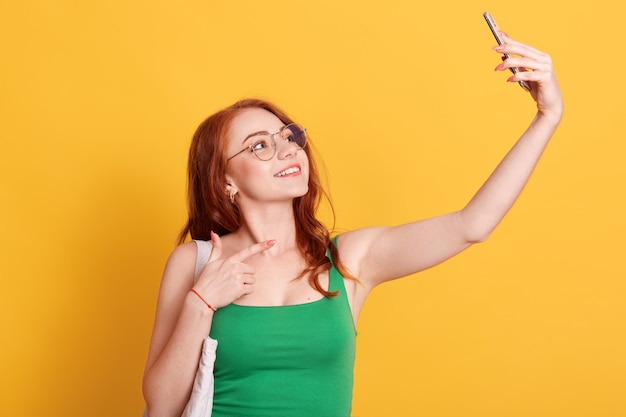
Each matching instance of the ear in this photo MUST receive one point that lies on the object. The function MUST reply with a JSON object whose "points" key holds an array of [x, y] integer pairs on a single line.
{"points": [[230, 188], [231, 192]]}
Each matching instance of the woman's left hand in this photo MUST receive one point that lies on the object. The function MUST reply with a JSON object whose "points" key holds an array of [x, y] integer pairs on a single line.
{"points": [[535, 67]]}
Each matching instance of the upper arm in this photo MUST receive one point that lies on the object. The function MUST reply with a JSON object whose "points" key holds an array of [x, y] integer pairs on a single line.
{"points": [[176, 282], [380, 254]]}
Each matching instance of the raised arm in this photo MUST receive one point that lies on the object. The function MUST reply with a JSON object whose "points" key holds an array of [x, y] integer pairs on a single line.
{"points": [[380, 254]]}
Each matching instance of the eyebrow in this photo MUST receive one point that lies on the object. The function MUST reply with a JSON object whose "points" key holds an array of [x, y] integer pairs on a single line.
{"points": [[254, 134]]}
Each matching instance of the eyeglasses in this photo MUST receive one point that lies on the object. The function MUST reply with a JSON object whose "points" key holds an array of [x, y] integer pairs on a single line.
{"points": [[264, 146]]}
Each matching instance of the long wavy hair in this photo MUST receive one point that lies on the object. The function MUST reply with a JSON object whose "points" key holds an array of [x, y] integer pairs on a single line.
{"points": [[209, 208]]}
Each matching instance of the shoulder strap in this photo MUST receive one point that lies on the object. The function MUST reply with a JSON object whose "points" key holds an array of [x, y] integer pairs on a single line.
{"points": [[335, 279], [204, 252]]}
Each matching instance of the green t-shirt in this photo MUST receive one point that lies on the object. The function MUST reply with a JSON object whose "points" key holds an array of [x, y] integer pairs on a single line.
{"points": [[286, 361]]}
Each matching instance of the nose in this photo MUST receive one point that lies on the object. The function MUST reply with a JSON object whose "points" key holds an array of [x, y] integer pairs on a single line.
{"points": [[286, 149]]}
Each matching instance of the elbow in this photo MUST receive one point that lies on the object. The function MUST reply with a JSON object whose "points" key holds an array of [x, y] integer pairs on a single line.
{"points": [[152, 412], [161, 404], [478, 237], [477, 232], [164, 394], [148, 401], [475, 229], [153, 408]]}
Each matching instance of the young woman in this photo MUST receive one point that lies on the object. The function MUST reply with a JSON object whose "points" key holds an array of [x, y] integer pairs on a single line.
{"points": [[278, 294]]}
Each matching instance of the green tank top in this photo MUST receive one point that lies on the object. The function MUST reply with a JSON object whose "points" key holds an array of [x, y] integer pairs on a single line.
{"points": [[286, 361]]}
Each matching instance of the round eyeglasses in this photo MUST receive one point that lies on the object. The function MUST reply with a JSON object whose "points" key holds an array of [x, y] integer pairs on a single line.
{"points": [[263, 144]]}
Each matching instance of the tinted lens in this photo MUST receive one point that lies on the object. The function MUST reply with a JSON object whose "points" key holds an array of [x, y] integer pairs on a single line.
{"points": [[295, 133]]}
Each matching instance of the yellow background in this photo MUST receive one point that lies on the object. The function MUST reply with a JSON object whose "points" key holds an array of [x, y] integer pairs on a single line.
{"points": [[98, 104]]}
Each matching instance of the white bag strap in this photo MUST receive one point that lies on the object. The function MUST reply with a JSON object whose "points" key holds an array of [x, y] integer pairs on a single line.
{"points": [[204, 252]]}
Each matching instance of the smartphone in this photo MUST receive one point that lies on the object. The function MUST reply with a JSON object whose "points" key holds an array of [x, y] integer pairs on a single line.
{"points": [[494, 30]]}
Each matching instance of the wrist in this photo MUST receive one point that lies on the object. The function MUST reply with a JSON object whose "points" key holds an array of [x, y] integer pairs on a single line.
{"points": [[552, 115], [548, 120], [199, 299]]}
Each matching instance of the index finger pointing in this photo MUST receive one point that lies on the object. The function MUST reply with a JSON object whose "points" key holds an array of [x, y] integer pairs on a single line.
{"points": [[252, 250]]}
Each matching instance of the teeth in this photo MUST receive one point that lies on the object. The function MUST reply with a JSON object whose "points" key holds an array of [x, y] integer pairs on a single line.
{"points": [[288, 171]]}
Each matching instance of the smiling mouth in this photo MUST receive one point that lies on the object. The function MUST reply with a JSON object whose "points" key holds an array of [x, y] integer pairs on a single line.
{"points": [[288, 171]]}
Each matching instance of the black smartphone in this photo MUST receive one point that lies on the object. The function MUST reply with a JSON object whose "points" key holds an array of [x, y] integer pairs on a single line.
{"points": [[494, 30]]}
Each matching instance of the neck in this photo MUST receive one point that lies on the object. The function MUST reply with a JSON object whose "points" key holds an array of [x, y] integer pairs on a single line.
{"points": [[268, 221]]}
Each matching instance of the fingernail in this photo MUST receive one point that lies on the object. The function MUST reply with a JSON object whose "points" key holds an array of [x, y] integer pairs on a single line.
{"points": [[498, 48], [498, 68], [510, 79], [270, 242]]}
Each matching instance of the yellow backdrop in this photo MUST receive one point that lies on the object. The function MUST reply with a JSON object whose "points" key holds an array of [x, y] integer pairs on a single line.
{"points": [[98, 104]]}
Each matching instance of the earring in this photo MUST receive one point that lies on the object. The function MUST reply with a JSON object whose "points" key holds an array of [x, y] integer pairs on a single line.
{"points": [[231, 196]]}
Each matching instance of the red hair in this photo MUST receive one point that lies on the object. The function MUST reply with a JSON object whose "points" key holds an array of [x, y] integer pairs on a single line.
{"points": [[209, 208]]}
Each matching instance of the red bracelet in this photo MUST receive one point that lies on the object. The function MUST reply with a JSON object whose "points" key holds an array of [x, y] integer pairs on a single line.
{"points": [[203, 300]]}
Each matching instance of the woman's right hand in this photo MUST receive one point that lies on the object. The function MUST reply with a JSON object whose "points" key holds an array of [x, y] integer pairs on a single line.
{"points": [[223, 281], [179, 330]]}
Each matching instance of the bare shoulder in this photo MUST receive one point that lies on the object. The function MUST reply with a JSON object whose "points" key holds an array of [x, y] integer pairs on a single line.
{"points": [[180, 266], [183, 253]]}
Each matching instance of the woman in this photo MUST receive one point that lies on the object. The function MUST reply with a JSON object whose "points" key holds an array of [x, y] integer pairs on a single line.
{"points": [[282, 313]]}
